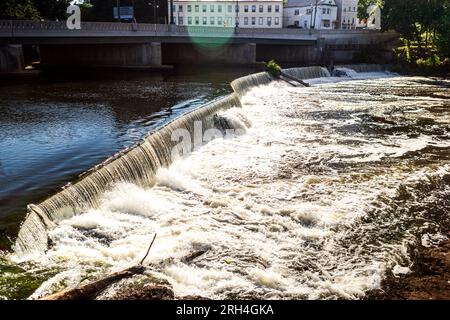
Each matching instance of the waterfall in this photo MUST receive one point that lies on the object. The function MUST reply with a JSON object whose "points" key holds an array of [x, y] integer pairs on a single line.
{"points": [[363, 67], [244, 84], [307, 72], [137, 164]]}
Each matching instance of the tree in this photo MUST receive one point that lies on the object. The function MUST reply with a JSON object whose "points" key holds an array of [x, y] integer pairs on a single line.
{"points": [[52, 9], [18, 10], [443, 30], [363, 10]]}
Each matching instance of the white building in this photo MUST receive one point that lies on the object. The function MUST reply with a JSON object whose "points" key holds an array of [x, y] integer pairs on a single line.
{"points": [[310, 14], [226, 13], [348, 15]]}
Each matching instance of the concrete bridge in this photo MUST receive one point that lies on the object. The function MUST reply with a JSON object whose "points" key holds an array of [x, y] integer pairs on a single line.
{"points": [[145, 45]]}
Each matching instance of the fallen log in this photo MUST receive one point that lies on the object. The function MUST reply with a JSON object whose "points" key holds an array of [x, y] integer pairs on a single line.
{"points": [[90, 290], [294, 79]]}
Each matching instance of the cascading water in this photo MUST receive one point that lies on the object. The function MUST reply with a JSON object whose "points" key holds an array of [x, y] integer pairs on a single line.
{"points": [[363, 68], [136, 164], [307, 73], [319, 198]]}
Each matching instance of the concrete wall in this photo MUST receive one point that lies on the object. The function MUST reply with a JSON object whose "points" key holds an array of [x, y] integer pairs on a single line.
{"points": [[228, 54], [287, 53], [111, 55], [11, 58]]}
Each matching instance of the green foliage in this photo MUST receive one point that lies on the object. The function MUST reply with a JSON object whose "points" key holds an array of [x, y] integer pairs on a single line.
{"points": [[273, 68], [363, 9], [424, 26], [18, 10], [52, 9]]}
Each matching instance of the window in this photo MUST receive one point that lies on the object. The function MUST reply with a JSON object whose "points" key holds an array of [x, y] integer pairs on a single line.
{"points": [[277, 21], [328, 11], [180, 8], [212, 21], [353, 21], [246, 8], [277, 8], [180, 21], [174, 8], [219, 8], [354, 8], [260, 21], [296, 23], [230, 8], [308, 11], [326, 24], [219, 21], [237, 8], [197, 20], [196, 8], [253, 21], [189, 8], [305, 24], [269, 8], [204, 20], [253, 8], [269, 21], [246, 21], [261, 8], [175, 20], [349, 9], [345, 9], [324, 11], [296, 12], [211, 8], [203, 8], [189, 20]]}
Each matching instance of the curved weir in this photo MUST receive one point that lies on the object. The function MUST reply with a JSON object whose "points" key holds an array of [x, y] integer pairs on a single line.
{"points": [[137, 164]]}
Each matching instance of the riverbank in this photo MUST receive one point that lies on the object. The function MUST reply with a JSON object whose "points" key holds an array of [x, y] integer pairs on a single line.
{"points": [[429, 279]]}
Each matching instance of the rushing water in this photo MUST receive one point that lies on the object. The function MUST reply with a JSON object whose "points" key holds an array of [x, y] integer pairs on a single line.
{"points": [[319, 198], [51, 131]]}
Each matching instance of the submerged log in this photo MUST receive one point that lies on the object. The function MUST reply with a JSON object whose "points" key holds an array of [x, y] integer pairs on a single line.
{"points": [[90, 290]]}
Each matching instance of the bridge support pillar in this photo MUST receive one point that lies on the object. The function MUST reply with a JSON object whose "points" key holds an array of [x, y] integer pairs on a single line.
{"points": [[155, 54], [11, 58]]}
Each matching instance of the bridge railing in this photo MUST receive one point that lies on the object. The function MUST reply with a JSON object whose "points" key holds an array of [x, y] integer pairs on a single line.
{"points": [[21, 25]]}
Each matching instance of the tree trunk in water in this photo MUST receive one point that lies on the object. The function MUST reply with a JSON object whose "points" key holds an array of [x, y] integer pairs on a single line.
{"points": [[90, 290]]}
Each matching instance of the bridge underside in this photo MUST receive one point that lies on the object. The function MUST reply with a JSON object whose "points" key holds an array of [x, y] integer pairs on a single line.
{"points": [[158, 54]]}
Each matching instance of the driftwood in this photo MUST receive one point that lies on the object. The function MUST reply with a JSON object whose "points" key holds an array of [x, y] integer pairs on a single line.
{"points": [[90, 290], [294, 79]]}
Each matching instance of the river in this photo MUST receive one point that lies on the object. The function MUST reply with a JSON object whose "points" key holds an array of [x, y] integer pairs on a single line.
{"points": [[324, 192]]}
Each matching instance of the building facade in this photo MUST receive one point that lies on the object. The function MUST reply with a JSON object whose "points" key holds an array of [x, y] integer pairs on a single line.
{"points": [[348, 16], [225, 13], [311, 14]]}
